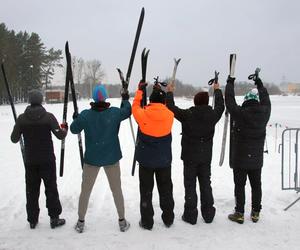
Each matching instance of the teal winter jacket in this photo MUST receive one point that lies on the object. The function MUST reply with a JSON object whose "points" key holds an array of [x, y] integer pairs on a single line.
{"points": [[101, 129]]}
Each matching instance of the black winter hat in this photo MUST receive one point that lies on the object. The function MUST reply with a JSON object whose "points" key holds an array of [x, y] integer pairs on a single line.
{"points": [[201, 98], [158, 96], [35, 97]]}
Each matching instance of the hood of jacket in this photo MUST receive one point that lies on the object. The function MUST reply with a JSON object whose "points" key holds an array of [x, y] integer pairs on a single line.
{"points": [[35, 112]]}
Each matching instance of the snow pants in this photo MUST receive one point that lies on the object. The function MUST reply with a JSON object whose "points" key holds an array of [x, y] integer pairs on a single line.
{"points": [[165, 190], [89, 176], [201, 171], [33, 175], [240, 178]]}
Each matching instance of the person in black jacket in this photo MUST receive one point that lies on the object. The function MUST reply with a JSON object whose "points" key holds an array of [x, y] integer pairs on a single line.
{"points": [[36, 125], [247, 144], [198, 128]]}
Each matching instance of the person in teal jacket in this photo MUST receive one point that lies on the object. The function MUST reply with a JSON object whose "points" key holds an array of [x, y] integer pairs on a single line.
{"points": [[101, 125]]}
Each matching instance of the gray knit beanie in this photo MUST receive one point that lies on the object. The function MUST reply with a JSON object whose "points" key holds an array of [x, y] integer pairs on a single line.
{"points": [[35, 97]]}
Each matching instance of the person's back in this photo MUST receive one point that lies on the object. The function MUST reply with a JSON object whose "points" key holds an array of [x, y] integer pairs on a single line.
{"points": [[249, 127], [101, 127], [36, 125]]}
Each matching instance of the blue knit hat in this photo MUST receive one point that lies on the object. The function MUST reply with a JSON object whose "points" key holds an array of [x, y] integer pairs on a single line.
{"points": [[99, 93], [252, 95]]}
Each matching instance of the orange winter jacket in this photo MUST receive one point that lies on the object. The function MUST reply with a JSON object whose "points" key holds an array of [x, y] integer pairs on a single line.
{"points": [[155, 119]]}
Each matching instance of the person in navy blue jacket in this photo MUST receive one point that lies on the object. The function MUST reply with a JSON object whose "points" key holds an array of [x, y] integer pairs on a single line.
{"points": [[101, 125]]}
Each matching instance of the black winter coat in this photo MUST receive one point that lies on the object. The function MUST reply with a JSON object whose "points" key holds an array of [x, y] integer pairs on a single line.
{"points": [[36, 125], [248, 128], [198, 128]]}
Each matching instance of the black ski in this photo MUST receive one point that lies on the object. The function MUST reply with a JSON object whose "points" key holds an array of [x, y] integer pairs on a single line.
{"points": [[226, 120], [125, 82], [13, 109], [214, 81], [144, 59], [64, 120], [74, 98]]}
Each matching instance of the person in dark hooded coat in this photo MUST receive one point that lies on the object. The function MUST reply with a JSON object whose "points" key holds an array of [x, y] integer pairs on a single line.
{"points": [[36, 125], [248, 134], [198, 128]]}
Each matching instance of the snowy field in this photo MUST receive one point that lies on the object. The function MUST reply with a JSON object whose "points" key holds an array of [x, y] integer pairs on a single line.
{"points": [[277, 229]]}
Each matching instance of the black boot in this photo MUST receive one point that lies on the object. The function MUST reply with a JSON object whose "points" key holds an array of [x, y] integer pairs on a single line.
{"points": [[57, 222], [32, 225], [254, 216]]}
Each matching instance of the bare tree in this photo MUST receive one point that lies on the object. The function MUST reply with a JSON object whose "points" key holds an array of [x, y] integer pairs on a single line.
{"points": [[93, 73], [78, 67]]}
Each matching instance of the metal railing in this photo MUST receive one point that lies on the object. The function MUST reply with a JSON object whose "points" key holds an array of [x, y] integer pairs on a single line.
{"points": [[290, 177]]}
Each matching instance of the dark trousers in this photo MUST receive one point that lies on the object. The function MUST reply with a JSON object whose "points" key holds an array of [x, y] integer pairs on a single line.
{"points": [[201, 171], [240, 178], [165, 190], [34, 174]]}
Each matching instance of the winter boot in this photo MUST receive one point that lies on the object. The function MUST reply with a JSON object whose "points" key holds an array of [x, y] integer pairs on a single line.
{"points": [[57, 222], [124, 225], [254, 216], [32, 225], [191, 221], [79, 227], [237, 217], [145, 226]]}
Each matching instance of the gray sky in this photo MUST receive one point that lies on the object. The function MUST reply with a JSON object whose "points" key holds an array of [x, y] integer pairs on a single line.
{"points": [[264, 33]]}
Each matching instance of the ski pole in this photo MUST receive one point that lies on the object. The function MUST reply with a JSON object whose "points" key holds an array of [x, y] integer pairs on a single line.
{"points": [[13, 109]]}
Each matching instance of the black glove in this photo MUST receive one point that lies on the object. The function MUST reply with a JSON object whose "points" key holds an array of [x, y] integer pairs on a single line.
{"points": [[258, 82], [125, 95], [230, 79], [75, 115], [142, 86]]}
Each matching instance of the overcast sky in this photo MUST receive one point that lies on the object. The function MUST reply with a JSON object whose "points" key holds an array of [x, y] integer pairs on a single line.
{"points": [[264, 33]]}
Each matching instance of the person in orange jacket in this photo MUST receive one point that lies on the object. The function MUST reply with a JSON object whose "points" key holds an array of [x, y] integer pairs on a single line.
{"points": [[154, 154]]}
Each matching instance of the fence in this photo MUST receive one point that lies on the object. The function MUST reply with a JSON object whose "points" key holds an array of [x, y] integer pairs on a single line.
{"points": [[290, 177]]}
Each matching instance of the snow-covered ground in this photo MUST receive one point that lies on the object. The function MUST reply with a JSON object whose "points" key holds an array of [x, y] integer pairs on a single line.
{"points": [[277, 229]]}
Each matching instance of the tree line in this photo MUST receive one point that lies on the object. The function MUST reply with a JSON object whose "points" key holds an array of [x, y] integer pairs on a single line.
{"points": [[29, 65]]}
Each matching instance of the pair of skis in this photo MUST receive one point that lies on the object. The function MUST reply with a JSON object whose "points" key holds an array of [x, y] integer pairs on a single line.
{"points": [[125, 82], [69, 83], [144, 60], [232, 62], [13, 109]]}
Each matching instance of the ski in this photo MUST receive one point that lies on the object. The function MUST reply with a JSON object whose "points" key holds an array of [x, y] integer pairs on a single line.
{"points": [[144, 59], [176, 62], [64, 120], [13, 109], [74, 98], [214, 81], [125, 82], [226, 119]]}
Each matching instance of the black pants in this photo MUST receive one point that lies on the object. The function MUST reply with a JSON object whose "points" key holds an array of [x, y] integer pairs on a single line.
{"points": [[34, 174], [165, 190], [240, 178], [191, 172]]}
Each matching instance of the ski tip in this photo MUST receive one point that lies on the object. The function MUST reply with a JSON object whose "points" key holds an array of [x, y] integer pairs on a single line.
{"points": [[143, 10]]}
